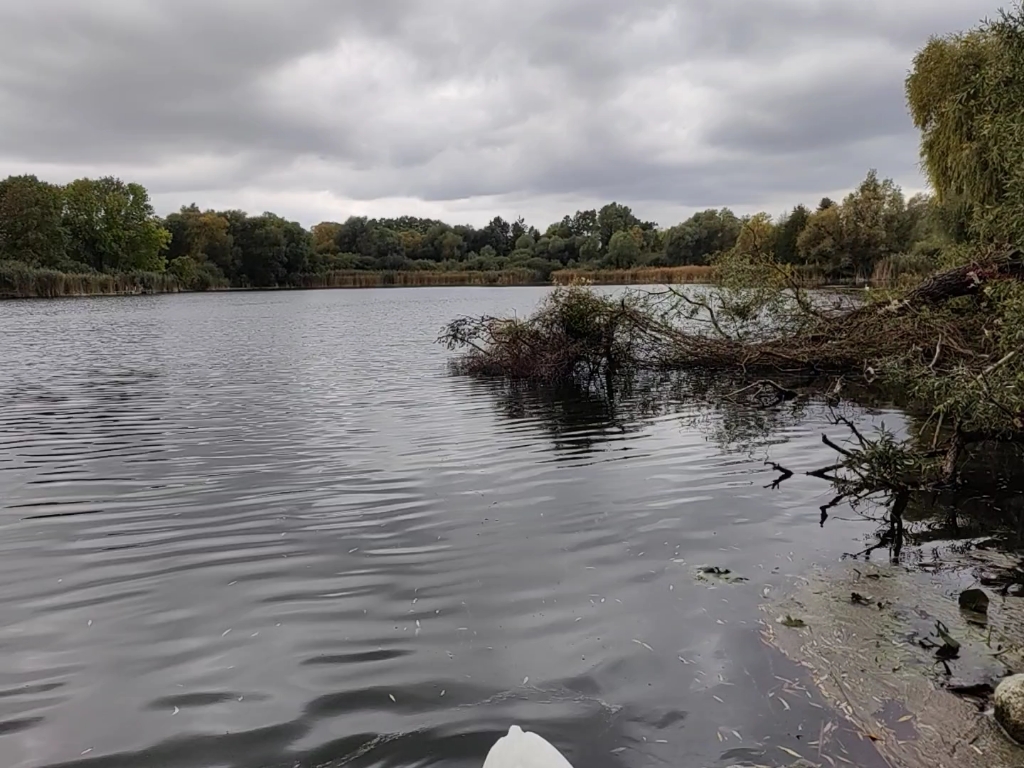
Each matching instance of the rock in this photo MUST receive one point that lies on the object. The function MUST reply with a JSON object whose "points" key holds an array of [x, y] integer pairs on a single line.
{"points": [[974, 600], [1009, 703]]}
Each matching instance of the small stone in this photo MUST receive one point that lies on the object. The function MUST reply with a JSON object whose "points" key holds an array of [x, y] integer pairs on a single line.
{"points": [[1009, 705], [974, 600]]}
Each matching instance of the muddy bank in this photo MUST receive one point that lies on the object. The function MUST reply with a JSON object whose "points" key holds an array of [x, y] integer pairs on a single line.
{"points": [[870, 637]]}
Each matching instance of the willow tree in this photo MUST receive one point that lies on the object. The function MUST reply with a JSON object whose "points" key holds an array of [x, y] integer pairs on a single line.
{"points": [[966, 95]]}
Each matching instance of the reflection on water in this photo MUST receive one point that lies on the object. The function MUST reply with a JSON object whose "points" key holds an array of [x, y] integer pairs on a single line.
{"points": [[270, 529]]}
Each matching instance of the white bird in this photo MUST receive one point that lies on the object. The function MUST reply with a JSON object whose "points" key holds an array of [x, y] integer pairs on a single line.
{"points": [[523, 749]]}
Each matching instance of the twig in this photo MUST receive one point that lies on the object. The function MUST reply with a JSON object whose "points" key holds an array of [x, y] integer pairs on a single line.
{"points": [[938, 429], [836, 448], [853, 428], [784, 475], [938, 351], [823, 473], [999, 363]]}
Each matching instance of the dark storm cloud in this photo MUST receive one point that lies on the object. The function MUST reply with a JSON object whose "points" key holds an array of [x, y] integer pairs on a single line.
{"points": [[685, 103]]}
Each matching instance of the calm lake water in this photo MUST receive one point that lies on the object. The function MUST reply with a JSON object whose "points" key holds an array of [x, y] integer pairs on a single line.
{"points": [[271, 529]]}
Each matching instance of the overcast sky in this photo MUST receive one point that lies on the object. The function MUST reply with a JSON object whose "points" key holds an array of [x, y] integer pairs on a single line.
{"points": [[463, 109]]}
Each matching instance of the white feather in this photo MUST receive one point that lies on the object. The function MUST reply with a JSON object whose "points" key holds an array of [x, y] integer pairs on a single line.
{"points": [[523, 749]]}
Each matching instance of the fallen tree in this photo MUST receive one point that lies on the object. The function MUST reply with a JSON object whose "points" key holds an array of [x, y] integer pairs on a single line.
{"points": [[578, 334], [950, 348]]}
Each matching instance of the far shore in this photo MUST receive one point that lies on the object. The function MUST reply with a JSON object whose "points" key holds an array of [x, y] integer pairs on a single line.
{"points": [[50, 284]]}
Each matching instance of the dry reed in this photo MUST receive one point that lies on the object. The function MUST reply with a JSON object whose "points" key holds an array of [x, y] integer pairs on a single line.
{"points": [[418, 278], [637, 276], [21, 281]]}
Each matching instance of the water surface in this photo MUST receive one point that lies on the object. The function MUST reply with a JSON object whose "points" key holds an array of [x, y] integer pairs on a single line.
{"points": [[271, 529]]}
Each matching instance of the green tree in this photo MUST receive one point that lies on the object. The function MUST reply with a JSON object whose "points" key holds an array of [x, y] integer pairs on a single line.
{"points": [[874, 223], [111, 226], [822, 240], [614, 218], [589, 248], [848, 238], [757, 237], [498, 235], [966, 95], [623, 250], [789, 228], [525, 243], [518, 229], [701, 236], [204, 238], [269, 249], [31, 229]]}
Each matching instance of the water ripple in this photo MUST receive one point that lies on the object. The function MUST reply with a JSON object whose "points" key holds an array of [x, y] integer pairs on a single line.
{"points": [[269, 529]]}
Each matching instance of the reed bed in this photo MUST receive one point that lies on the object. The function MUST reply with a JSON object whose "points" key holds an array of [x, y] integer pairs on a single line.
{"points": [[637, 276], [902, 268], [19, 281], [365, 279]]}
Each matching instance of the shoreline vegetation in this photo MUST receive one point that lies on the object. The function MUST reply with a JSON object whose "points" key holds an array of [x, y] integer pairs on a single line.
{"points": [[18, 281], [943, 340]]}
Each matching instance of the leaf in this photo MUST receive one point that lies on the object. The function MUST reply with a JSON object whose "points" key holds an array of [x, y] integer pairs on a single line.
{"points": [[947, 638], [950, 647], [791, 753]]}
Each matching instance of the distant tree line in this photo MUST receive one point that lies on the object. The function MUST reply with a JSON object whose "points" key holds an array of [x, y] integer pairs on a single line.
{"points": [[109, 226]]}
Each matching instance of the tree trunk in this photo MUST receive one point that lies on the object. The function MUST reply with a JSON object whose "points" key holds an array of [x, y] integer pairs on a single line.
{"points": [[961, 281]]}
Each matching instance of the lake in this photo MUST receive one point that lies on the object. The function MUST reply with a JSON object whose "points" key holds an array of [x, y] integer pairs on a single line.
{"points": [[271, 529]]}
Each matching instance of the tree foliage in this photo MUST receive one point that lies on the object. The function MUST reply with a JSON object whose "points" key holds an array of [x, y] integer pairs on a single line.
{"points": [[966, 95], [30, 222]]}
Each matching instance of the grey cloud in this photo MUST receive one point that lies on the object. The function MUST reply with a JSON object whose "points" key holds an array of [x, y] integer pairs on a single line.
{"points": [[670, 103]]}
